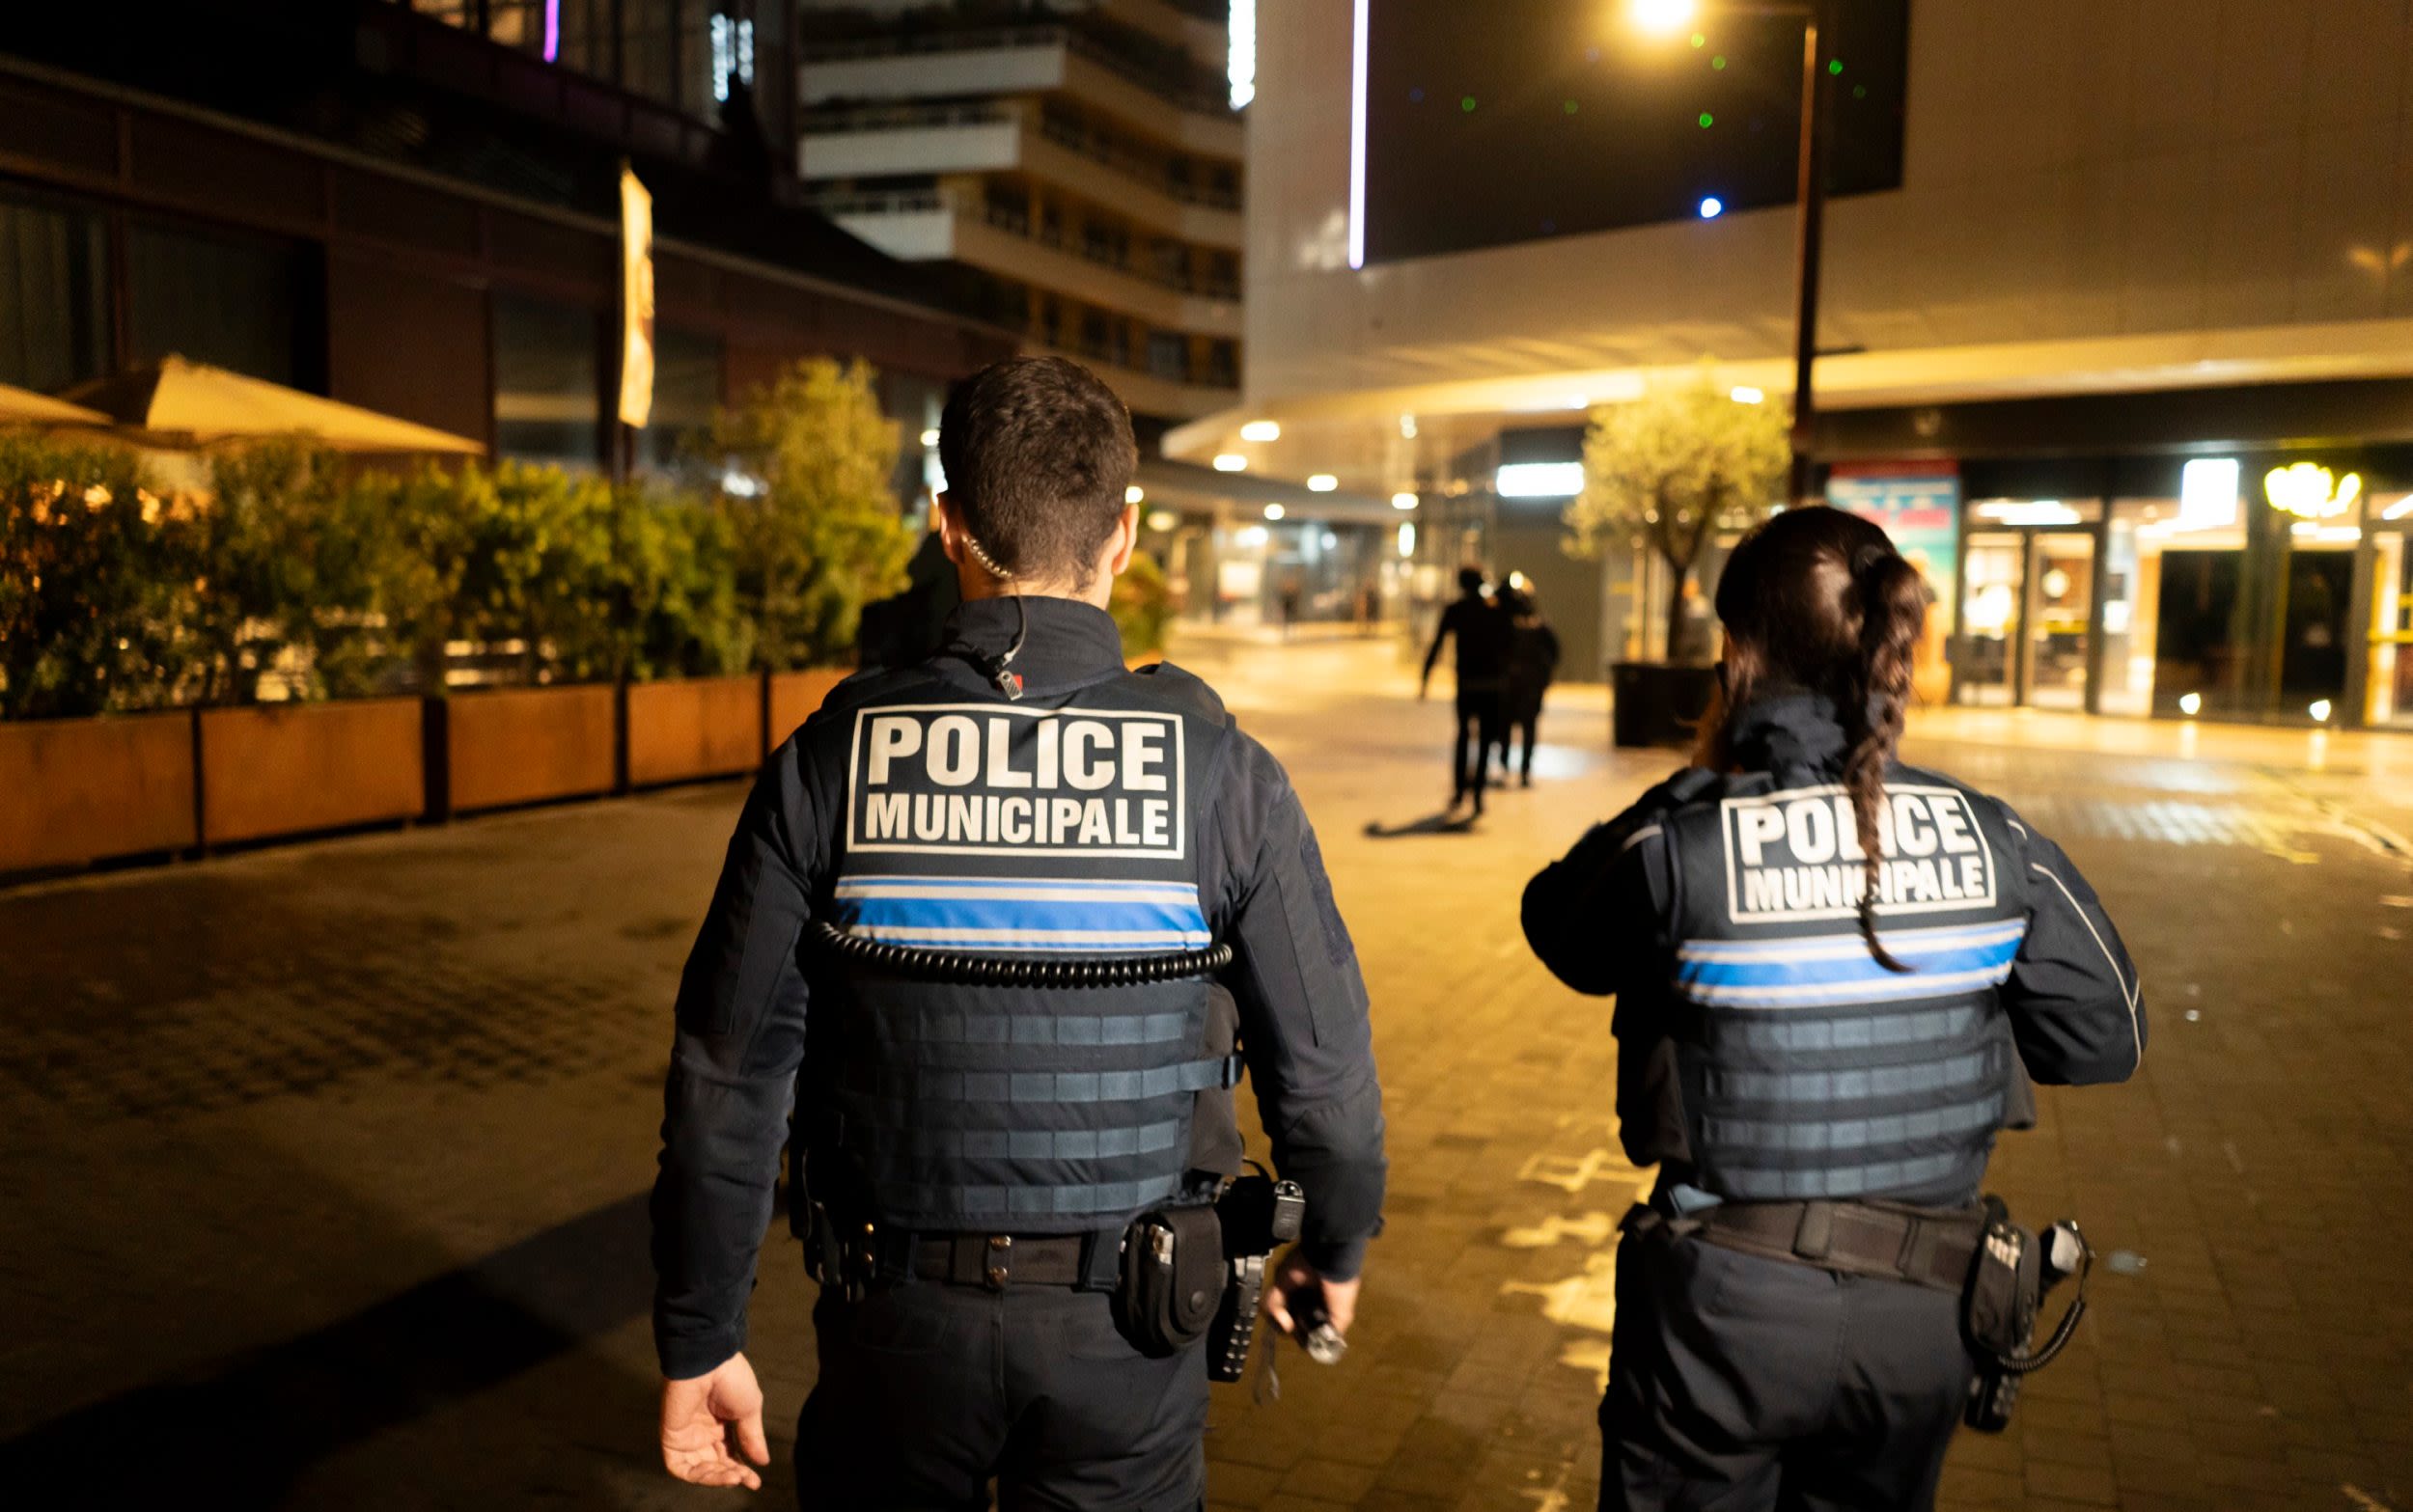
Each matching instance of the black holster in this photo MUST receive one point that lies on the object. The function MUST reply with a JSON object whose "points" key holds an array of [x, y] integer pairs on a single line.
{"points": [[1171, 1280]]}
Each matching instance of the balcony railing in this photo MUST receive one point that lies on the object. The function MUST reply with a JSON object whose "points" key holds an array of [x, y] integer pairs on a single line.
{"points": [[1124, 158], [904, 118], [1014, 221], [1114, 152], [1191, 93]]}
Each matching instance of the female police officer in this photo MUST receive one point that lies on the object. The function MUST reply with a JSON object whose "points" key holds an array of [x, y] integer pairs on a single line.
{"points": [[1830, 971]]}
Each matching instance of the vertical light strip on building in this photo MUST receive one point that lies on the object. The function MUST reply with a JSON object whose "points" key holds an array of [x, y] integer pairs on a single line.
{"points": [[1357, 141], [552, 31], [1239, 63]]}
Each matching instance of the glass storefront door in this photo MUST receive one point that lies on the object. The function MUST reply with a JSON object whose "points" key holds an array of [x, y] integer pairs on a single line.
{"points": [[2026, 619], [2060, 618], [1992, 577]]}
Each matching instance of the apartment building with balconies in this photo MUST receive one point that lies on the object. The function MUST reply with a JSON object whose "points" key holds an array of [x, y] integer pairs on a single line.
{"points": [[1073, 168]]}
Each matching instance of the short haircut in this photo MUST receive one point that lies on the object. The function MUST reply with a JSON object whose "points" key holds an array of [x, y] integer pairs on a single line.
{"points": [[1039, 455], [1470, 580]]}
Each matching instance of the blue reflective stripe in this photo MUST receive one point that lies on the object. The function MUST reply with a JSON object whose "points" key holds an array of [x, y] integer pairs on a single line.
{"points": [[1906, 944], [1777, 971], [1007, 923], [886, 885]]}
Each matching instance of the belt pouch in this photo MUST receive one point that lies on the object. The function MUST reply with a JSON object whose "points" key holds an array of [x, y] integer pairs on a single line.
{"points": [[2005, 1287], [1172, 1280]]}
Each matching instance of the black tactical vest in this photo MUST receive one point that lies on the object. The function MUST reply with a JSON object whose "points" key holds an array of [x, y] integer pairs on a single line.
{"points": [[1058, 829], [1806, 1069]]}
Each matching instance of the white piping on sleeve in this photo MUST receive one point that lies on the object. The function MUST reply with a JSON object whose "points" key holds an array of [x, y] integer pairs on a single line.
{"points": [[1639, 835], [2128, 989]]}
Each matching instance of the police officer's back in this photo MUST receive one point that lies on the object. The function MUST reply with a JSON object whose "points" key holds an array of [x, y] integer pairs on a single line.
{"points": [[911, 940], [1830, 971]]}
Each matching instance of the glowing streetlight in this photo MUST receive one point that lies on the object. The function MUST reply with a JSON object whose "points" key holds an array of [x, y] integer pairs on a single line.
{"points": [[1262, 430], [1665, 17], [1275, 512], [1322, 483], [1403, 501], [1134, 494], [1231, 462]]}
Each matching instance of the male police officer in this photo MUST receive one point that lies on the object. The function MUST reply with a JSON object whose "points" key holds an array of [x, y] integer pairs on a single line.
{"points": [[907, 943]]}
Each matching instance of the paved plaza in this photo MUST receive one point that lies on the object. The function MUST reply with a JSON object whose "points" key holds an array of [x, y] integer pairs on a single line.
{"points": [[324, 1165]]}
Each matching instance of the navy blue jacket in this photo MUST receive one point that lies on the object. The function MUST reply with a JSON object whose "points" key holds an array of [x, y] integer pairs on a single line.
{"points": [[744, 999]]}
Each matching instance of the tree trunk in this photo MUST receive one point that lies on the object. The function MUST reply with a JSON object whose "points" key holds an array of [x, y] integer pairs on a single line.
{"points": [[1678, 575]]}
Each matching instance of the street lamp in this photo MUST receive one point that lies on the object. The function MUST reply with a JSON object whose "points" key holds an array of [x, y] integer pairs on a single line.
{"points": [[1663, 18]]}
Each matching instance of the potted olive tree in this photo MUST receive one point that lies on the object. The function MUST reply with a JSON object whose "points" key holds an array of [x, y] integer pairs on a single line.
{"points": [[1667, 472]]}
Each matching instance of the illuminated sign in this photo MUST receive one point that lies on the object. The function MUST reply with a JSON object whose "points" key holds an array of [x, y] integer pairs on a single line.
{"points": [[636, 301], [2310, 491]]}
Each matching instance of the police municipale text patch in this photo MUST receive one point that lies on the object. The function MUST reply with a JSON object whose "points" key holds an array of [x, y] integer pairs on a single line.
{"points": [[1796, 856], [984, 778]]}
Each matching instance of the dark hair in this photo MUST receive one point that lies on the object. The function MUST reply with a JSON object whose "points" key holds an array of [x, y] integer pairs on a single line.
{"points": [[1039, 455], [1470, 580], [1819, 601]]}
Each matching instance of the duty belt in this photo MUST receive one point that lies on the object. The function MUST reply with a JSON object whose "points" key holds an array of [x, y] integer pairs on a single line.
{"points": [[1929, 1246], [994, 1260]]}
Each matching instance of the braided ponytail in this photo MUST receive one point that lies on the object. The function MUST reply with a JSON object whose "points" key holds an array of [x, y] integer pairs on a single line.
{"points": [[1893, 612], [1819, 601]]}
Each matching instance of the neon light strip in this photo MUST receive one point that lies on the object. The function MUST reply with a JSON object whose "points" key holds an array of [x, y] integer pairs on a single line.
{"points": [[552, 31], [1357, 141]]}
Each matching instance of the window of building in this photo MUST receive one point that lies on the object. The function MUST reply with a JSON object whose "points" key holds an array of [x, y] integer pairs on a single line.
{"points": [[547, 386], [54, 294], [687, 391], [217, 298]]}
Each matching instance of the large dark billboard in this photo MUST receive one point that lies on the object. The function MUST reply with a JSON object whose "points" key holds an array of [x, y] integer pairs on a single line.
{"points": [[1515, 120]]}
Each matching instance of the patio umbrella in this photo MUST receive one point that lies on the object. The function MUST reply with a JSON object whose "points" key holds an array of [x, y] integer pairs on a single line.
{"points": [[25, 407], [196, 404]]}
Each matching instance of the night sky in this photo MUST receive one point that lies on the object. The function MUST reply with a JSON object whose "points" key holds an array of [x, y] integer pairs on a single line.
{"points": [[1520, 119]]}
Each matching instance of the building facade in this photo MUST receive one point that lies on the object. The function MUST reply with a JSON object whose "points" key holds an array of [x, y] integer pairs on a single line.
{"points": [[1075, 170], [411, 208], [2132, 377]]}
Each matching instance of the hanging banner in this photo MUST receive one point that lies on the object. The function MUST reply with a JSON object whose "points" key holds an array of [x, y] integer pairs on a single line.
{"points": [[636, 301]]}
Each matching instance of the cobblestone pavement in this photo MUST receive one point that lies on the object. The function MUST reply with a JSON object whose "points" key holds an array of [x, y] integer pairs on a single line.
{"points": [[324, 1165]]}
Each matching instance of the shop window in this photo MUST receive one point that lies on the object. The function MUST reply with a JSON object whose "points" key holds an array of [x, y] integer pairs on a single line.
{"points": [[54, 296], [687, 391], [216, 299], [547, 384]]}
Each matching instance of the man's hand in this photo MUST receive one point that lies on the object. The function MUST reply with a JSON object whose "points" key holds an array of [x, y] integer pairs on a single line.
{"points": [[697, 1416], [1296, 1279]]}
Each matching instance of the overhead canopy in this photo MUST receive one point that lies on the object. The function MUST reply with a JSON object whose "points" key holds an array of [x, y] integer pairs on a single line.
{"points": [[193, 403], [25, 407]]}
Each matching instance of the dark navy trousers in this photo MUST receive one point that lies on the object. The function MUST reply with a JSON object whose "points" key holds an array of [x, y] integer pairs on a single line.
{"points": [[929, 1391], [1739, 1383]]}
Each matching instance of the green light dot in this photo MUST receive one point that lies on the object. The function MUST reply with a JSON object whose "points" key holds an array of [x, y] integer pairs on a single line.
{"points": [[1836, 67], [1708, 121], [1718, 62], [1860, 91], [1467, 104], [1699, 40], [1569, 108]]}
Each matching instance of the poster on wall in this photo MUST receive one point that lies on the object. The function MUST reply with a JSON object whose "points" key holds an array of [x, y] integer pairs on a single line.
{"points": [[1918, 503]]}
